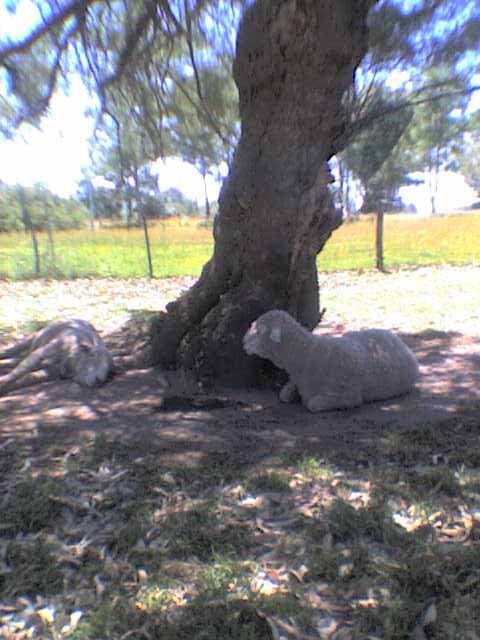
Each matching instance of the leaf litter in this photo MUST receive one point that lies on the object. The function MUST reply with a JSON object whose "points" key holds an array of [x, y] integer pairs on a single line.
{"points": [[97, 543]]}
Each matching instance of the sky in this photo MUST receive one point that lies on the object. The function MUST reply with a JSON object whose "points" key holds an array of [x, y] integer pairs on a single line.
{"points": [[55, 153]]}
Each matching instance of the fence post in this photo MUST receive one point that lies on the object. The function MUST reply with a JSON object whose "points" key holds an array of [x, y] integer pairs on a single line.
{"points": [[147, 244], [27, 221], [49, 223], [379, 241], [51, 243]]}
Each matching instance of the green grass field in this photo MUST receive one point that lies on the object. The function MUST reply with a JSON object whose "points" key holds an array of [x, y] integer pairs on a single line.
{"points": [[180, 249]]}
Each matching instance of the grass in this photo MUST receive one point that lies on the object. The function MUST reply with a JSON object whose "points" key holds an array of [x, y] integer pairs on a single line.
{"points": [[407, 241], [177, 250], [181, 248], [278, 549], [29, 508]]}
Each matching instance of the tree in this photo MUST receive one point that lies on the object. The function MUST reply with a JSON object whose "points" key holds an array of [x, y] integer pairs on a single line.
{"points": [[294, 61], [468, 153], [107, 202], [10, 210], [275, 208], [46, 210], [430, 50], [192, 138], [438, 126], [378, 156]]}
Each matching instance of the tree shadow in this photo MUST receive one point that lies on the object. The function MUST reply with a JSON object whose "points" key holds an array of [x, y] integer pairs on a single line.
{"points": [[193, 446], [184, 423]]}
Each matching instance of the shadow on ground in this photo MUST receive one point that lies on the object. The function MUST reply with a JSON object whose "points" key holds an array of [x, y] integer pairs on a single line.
{"points": [[246, 425]]}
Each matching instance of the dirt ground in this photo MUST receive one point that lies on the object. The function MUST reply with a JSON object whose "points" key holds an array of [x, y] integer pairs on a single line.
{"points": [[252, 423]]}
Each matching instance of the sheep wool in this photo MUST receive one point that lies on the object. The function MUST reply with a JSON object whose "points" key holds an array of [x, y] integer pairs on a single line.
{"points": [[332, 372]]}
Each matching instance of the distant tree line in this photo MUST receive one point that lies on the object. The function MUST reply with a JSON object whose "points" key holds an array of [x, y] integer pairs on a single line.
{"points": [[37, 208], [130, 205]]}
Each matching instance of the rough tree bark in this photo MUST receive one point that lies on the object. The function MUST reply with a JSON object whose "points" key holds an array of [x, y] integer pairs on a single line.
{"points": [[294, 60]]}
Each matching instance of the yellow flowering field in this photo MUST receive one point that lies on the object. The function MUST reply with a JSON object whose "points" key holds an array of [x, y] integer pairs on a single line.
{"points": [[181, 247]]}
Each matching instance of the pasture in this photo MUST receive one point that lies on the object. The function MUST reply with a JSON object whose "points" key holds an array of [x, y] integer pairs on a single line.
{"points": [[181, 248], [235, 517]]}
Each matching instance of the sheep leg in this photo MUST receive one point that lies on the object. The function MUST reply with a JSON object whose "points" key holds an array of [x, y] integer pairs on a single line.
{"points": [[288, 393], [31, 378], [34, 361], [17, 351], [329, 401]]}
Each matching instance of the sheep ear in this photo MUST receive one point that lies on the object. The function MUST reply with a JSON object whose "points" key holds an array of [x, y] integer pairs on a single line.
{"points": [[276, 334]]}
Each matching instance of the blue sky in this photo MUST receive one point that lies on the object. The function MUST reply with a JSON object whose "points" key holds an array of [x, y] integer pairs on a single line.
{"points": [[55, 153]]}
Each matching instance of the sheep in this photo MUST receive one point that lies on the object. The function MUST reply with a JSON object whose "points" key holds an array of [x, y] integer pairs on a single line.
{"points": [[333, 372], [68, 349]]}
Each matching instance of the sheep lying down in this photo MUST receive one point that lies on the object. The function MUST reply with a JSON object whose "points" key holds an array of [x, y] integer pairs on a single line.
{"points": [[69, 349], [333, 372]]}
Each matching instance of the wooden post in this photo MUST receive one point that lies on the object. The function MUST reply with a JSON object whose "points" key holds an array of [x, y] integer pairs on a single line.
{"points": [[51, 242], [35, 250], [48, 221], [27, 221], [147, 244], [379, 241]]}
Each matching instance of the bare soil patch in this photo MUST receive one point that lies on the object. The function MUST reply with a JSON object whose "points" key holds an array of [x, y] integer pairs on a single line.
{"points": [[436, 311]]}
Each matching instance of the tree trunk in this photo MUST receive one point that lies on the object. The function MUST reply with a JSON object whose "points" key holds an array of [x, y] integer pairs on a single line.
{"points": [[294, 60]]}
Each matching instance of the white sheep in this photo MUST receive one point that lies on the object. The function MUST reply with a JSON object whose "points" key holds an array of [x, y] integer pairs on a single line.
{"points": [[67, 349], [333, 372]]}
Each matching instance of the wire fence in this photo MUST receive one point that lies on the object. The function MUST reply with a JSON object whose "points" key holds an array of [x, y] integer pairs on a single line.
{"points": [[181, 247]]}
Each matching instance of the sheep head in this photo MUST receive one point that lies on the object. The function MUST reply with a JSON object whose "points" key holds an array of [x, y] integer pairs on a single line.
{"points": [[265, 334], [88, 364]]}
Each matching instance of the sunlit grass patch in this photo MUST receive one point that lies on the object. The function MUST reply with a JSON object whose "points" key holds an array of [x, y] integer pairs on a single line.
{"points": [[181, 248], [407, 241], [222, 578]]}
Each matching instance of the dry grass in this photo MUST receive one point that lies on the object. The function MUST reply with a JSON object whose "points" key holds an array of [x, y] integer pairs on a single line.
{"points": [[408, 300]]}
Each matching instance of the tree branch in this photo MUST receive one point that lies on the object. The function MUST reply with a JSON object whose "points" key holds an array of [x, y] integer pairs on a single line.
{"points": [[131, 42], [362, 124], [68, 11]]}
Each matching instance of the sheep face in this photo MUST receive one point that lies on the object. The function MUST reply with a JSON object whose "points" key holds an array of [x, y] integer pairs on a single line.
{"points": [[93, 365], [263, 335], [87, 360]]}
